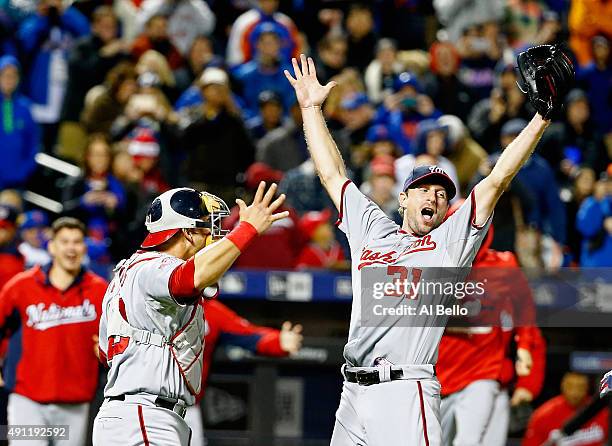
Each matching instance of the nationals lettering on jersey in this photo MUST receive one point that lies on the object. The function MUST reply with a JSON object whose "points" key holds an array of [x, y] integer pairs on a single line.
{"points": [[377, 242], [42, 317]]}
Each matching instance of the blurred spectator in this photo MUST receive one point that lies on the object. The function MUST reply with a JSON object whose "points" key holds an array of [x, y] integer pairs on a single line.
{"points": [[100, 113], [582, 187], [219, 125], [551, 30], [597, 80], [280, 245], [145, 151], [10, 258], [403, 110], [378, 142], [54, 311], [432, 140], [549, 214], [19, 134], [594, 222], [574, 142], [381, 72], [91, 59], [459, 15], [554, 413], [465, 153], [443, 84], [303, 189], [34, 232], [381, 185], [322, 250], [354, 116], [265, 70], [155, 37], [241, 43], [12, 198], [45, 39], [360, 36], [284, 148], [270, 116], [164, 81], [187, 19], [587, 19], [489, 115], [523, 19], [201, 55], [480, 49], [101, 195], [128, 11], [330, 59]]}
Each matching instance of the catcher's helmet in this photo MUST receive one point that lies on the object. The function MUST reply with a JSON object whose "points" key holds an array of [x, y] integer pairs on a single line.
{"points": [[183, 208]]}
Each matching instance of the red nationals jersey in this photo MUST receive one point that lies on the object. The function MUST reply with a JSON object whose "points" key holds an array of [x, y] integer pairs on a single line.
{"points": [[554, 413], [483, 353], [57, 363], [223, 326]]}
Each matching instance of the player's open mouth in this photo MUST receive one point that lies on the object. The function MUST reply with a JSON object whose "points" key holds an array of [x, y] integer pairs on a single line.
{"points": [[427, 214]]}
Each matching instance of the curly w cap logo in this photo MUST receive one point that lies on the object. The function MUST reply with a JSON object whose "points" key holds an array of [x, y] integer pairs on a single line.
{"points": [[41, 318]]}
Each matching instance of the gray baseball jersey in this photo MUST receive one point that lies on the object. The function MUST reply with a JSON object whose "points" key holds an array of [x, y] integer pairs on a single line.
{"points": [[142, 283], [376, 242]]}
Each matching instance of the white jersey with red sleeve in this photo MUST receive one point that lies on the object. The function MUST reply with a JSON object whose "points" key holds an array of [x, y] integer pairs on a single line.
{"points": [[144, 352], [377, 242]]}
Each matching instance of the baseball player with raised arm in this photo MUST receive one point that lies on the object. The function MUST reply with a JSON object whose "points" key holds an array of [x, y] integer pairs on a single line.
{"points": [[152, 326], [390, 394]]}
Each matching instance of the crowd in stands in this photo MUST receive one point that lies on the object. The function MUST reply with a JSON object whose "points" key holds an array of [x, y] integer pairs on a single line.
{"points": [[145, 95]]}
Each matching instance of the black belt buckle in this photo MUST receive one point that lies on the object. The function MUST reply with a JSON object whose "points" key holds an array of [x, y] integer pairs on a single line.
{"points": [[179, 409], [366, 377]]}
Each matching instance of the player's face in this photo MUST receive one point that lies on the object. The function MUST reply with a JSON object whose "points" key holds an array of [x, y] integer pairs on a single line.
{"points": [[68, 249], [575, 388], [424, 208], [198, 239]]}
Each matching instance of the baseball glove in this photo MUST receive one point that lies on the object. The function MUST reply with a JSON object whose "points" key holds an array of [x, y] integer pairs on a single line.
{"points": [[546, 75]]}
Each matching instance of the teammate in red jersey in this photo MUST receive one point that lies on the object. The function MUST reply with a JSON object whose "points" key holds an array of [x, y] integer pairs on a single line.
{"points": [[225, 327], [474, 368], [57, 309], [552, 415]]}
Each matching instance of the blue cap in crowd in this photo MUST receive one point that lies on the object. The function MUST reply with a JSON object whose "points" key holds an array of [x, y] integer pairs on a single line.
{"points": [[7, 61], [377, 133], [406, 79], [354, 101], [33, 219], [513, 127], [431, 174]]}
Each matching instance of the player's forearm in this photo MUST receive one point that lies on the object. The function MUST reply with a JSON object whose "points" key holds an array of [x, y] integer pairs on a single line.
{"points": [[488, 191], [324, 152], [213, 261]]}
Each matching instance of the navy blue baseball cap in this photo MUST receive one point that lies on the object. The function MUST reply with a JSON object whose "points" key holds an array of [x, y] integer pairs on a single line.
{"points": [[354, 101], [406, 79], [433, 175], [378, 132]]}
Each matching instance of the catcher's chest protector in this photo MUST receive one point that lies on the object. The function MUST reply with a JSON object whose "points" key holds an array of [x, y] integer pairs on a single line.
{"points": [[186, 345]]}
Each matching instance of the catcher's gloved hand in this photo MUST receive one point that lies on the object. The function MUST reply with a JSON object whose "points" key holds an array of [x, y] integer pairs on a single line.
{"points": [[605, 384], [546, 75]]}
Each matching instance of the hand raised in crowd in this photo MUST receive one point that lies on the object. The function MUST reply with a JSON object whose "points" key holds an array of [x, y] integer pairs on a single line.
{"points": [[524, 362], [260, 213], [291, 337], [309, 92]]}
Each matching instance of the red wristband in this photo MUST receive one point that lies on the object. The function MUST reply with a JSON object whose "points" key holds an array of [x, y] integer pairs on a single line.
{"points": [[242, 235]]}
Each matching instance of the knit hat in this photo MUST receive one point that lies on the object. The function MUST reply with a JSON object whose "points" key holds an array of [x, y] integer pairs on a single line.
{"points": [[144, 144]]}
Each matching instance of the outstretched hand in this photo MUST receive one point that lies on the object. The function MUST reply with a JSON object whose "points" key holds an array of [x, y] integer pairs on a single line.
{"points": [[260, 213], [309, 92]]}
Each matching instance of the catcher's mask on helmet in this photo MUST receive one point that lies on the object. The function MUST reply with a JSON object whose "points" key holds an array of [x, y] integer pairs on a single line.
{"points": [[184, 208]]}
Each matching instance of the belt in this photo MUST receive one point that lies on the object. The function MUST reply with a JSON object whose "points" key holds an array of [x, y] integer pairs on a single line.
{"points": [[172, 404], [369, 377]]}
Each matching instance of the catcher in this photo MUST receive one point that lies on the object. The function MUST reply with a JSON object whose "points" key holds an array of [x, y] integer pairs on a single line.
{"points": [[390, 393], [152, 325]]}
